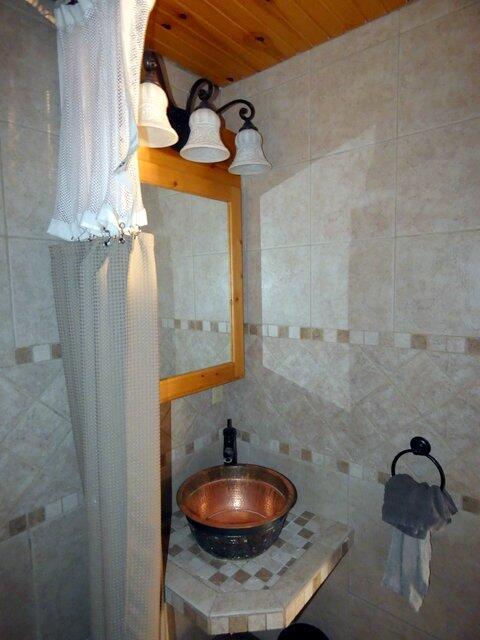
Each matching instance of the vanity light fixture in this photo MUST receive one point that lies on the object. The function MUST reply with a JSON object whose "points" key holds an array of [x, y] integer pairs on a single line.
{"points": [[154, 129], [195, 131]]}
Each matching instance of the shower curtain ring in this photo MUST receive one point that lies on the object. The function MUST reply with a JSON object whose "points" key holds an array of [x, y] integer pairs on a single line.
{"points": [[121, 239], [109, 238]]}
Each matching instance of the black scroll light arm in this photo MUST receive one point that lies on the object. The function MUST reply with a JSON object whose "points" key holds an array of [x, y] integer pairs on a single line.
{"points": [[421, 447]]}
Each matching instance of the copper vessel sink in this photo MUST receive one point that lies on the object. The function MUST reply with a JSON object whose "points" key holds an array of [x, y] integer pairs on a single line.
{"points": [[236, 511]]}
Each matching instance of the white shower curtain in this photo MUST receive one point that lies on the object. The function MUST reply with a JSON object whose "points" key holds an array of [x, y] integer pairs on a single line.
{"points": [[106, 303], [100, 47]]}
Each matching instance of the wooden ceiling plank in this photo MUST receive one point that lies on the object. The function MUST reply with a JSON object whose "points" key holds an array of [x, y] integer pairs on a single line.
{"points": [[201, 29], [371, 9], [301, 22], [232, 39], [207, 45], [182, 58], [254, 28], [256, 53], [347, 12], [392, 5], [317, 12], [269, 14], [170, 38]]}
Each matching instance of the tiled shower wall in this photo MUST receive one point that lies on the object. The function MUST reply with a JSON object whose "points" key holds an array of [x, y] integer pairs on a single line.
{"points": [[43, 584], [363, 296]]}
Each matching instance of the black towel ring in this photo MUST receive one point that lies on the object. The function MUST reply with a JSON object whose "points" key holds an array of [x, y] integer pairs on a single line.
{"points": [[421, 447]]}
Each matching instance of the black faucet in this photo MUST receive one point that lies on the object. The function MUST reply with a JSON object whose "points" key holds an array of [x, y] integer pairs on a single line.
{"points": [[229, 444]]}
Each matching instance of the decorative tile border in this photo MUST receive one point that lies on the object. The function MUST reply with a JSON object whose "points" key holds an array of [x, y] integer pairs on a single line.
{"points": [[188, 449], [211, 326], [38, 353], [352, 469], [429, 342], [42, 514]]}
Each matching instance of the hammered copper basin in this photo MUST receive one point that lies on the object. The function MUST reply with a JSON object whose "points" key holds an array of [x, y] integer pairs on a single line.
{"points": [[236, 511]]}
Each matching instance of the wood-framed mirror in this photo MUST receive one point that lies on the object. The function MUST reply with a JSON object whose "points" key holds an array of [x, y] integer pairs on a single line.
{"points": [[194, 212]]}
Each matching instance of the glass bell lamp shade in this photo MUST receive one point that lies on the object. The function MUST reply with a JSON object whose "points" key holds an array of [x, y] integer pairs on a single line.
{"points": [[154, 128], [204, 143], [249, 158]]}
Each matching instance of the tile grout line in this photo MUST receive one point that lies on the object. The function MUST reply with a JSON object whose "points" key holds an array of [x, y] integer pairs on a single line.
{"points": [[395, 182]]}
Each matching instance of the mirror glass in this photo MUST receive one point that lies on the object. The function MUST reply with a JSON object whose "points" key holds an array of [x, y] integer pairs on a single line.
{"points": [[193, 272]]}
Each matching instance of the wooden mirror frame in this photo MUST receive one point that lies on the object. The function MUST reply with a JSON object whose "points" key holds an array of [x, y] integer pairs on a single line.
{"points": [[167, 169]]}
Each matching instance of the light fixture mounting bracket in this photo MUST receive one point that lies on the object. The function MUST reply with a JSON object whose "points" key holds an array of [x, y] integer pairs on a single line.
{"points": [[203, 89]]}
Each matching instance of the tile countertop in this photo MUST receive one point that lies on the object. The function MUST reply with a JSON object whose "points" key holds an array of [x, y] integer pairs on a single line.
{"points": [[266, 592]]}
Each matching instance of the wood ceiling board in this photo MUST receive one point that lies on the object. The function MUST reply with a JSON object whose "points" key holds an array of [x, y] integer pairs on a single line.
{"points": [[227, 40], [254, 28], [267, 17], [201, 41], [182, 59], [347, 12], [391, 5], [250, 49], [371, 9], [169, 41], [322, 16], [300, 21]]}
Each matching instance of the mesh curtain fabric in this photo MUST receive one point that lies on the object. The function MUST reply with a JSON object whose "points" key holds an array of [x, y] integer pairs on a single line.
{"points": [[106, 304], [100, 47]]}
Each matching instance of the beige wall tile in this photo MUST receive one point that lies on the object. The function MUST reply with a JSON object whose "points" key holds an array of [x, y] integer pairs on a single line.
{"points": [[268, 79], [425, 386], [28, 98], [285, 286], [60, 583], [6, 325], [388, 410], [36, 436], [209, 220], [437, 284], [169, 219], [438, 180], [439, 80], [276, 207], [17, 605], [33, 309], [282, 119], [212, 287], [253, 286], [353, 41], [58, 477], [29, 163], [176, 285], [352, 285], [353, 101], [421, 11], [353, 194]]}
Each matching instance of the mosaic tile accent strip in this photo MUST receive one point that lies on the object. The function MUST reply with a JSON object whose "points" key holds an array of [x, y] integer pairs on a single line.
{"points": [[41, 514], [38, 353], [441, 343], [212, 326], [466, 503], [178, 453], [354, 470], [298, 534], [267, 592]]}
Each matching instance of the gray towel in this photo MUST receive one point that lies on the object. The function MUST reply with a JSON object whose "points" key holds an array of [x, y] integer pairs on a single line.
{"points": [[414, 509]]}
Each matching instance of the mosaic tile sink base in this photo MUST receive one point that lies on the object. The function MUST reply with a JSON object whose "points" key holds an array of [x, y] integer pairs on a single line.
{"points": [[266, 592]]}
